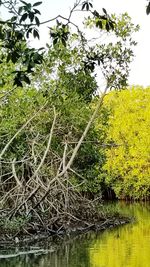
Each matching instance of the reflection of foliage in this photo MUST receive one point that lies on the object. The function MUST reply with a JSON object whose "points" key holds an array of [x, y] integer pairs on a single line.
{"points": [[109, 248], [127, 245], [69, 252], [29, 260], [74, 253]]}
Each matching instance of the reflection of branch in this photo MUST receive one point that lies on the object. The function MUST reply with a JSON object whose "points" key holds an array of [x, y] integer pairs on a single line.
{"points": [[20, 253]]}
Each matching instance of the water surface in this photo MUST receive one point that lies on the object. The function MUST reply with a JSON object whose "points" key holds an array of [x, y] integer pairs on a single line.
{"points": [[125, 246]]}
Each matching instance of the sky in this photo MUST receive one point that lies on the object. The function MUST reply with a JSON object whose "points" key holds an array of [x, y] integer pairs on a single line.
{"points": [[140, 67]]}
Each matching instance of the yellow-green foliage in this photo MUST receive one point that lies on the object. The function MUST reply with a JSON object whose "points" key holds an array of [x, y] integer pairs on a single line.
{"points": [[128, 163]]}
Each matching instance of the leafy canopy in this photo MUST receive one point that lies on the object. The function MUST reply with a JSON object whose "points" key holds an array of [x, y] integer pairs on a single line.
{"points": [[128, 161]]}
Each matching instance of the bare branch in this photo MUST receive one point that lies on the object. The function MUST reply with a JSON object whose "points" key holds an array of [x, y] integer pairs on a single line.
{"points": [[14, 173], [48, 145]]}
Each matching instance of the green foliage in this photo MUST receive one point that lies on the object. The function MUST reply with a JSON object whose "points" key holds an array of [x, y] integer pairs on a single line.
{"points": [[59, 33], [62, 78], [12, 226], [14, 33], [70, 90], [114, 55], [24, 22], [128, 162], [91, 158]]}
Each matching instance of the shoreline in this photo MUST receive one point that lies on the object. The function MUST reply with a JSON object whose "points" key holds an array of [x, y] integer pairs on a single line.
{"points": [[19, 240]]}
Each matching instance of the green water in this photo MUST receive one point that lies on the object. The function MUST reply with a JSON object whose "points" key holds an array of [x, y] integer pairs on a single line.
{"points": [[126, 246]]}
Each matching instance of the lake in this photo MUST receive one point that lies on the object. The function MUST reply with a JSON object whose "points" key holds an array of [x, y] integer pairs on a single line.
{"points": [[125, 246]]}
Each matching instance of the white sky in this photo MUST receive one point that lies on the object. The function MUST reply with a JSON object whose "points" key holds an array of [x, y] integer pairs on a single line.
{"points": [[140, 67]]}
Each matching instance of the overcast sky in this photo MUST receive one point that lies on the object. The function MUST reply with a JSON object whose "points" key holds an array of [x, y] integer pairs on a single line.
{"points": [[140, 68]]}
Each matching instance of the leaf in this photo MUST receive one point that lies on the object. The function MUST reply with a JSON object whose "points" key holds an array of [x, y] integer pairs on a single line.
{"points": [[99, 24], [29, 68], [26, 79], [41, 49], [86, 5], [98, 61], [36, 34], [14, 56], [37, 11], [111, 23], [58, 23], [47, 45], [28, 32], [24, 17], [104, 10], [20, 9], [107, 26], [90, 4], [96, 14], [55, 41], [25, 3], [37, 4], [148, 9], [103, 17], [19, 35], [28, 8], [63, 42], [37, 21], [31, 16], [8, 58], [83, 6], [17, 80], [14, 18]]}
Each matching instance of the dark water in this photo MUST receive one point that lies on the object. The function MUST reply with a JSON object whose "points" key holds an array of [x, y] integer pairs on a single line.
{"points": [[126, 246]]}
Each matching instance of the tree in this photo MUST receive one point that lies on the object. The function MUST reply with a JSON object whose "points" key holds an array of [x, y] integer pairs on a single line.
{"points": [[127, 162], [24, 22], [49, 112]]}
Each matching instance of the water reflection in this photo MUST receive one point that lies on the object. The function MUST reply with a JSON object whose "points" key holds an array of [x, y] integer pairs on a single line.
{"points": [[127, 246]]}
